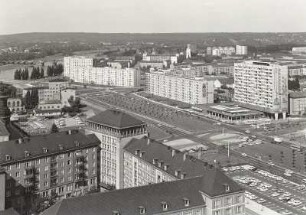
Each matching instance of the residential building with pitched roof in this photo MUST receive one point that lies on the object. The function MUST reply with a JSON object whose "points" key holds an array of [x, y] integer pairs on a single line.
{"points": [[62, 163], [210, 194], [114, 129]]}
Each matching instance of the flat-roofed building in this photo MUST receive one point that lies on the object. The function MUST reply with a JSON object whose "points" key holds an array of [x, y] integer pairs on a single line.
{"points": [[177, 86], [262, 86], [297, 103], [81, 69], [241, 50]]}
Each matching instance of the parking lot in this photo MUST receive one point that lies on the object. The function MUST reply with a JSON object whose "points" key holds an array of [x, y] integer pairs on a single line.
{"points": [[272, 191]]}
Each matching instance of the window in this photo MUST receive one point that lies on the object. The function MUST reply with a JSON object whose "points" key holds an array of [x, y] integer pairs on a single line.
{"points": [[227, 211], [218, 212], [69, 162], [45, 183], [164, 206], [17, 174], [186, 202], [217, 203], [239, 199], [17, 165], [239, 209], [8, 167], [228, 201], [46, 168]]}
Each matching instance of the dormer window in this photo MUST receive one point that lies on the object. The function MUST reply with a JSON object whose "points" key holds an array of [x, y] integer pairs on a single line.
{"points": [[45, 150], [26, 153], [142, 210], [8, 157], [77, 144], [116, 213], [226, 187], [186, 202], [165, 206]]}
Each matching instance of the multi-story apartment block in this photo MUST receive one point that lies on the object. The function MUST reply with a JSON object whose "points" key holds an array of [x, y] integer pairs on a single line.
{"points": [[241, 50], [160, 58], [299, 50], [147, 161], [174, 85], [213, 193], [263, 86], [218, 51], [114, 129], [81, 69], [51, 91], [66, 164]]}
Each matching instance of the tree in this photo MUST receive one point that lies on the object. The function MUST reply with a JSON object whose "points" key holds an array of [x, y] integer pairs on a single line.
{"points": [[34, 98], [54, 128], [42, 73], [27, 100]]}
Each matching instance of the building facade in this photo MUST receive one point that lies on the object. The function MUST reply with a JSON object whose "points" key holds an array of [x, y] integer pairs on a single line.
{"points": [[297, 103], [64, 164], [80, 69], [15, 105], [218, 51], [210, 194], [114, 129], [160, 58], [241, 50], [174, 85], [263, 86], [52, 91]]}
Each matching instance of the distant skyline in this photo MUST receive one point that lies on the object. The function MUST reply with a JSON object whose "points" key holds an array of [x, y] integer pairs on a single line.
{"points": [[152, 16]]}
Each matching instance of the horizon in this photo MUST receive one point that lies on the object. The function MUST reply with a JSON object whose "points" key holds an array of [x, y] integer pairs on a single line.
{"points": [[150, 16], [76, 32]]}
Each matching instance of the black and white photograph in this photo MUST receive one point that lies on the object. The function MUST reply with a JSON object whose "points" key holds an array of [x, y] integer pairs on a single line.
{"points": [[152, 107]]}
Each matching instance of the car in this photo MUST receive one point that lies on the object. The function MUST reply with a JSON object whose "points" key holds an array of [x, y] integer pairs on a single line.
{"points": [[285, 212], [261, 201], [275, 194]]}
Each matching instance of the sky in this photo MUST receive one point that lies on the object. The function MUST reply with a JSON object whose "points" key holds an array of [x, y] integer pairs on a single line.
{"points": [[152, 16]]}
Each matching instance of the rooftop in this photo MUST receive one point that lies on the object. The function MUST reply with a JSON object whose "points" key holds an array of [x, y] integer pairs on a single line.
{"points": [[174, 159], [33, 147], [116, 119], [3, 130], [150, 197], [297, 95]]}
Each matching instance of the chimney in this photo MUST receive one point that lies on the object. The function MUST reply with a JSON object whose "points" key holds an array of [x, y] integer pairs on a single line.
{"points": [[60, 146], [173, 152], [148, 141], [184, 156]]}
